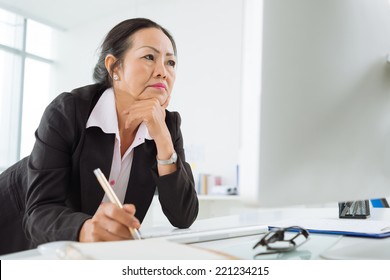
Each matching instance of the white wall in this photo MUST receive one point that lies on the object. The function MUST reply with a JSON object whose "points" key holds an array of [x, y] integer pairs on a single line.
{"points": [[207, 90]]}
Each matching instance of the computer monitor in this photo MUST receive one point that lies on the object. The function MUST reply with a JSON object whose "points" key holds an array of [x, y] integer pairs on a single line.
{"points": [[315, 102]]}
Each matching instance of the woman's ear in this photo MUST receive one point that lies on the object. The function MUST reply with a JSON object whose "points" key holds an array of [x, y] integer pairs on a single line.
{"points": [[109, 62]]}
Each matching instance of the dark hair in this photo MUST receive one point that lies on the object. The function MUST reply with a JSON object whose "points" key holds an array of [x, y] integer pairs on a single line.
{"points": [[117, 43]]}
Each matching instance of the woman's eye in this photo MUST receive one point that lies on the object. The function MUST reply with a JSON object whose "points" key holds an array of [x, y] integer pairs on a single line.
{"points": [[172, 63], [149, 57]]}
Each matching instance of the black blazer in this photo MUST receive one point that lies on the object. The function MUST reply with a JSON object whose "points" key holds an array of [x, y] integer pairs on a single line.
{"points": [[13, 186], [62, 189]]}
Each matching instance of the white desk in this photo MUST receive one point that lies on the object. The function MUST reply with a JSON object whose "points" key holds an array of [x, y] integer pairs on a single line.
{"points": [[319, 246], [315, 248]]}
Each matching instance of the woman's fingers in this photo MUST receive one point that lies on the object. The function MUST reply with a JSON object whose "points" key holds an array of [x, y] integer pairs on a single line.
{"points": [[149, 111], [134, 222], [110, 222]]}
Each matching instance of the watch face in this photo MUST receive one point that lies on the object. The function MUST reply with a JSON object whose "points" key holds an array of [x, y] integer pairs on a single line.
{"points": [[174, 157]]}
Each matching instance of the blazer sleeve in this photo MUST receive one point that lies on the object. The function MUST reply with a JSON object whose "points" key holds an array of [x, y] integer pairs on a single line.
{"points": [[13, 185], [176, 191], [48, 216]]}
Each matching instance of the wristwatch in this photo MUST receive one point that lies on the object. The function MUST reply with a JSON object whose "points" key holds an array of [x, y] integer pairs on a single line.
{"points": [[171, 160]]}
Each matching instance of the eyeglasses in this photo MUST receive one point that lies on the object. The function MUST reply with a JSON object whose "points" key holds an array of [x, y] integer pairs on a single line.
{"points": [[274, 241]]}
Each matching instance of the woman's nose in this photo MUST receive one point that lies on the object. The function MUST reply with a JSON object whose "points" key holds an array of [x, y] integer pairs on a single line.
{"points": [[160, 70]]}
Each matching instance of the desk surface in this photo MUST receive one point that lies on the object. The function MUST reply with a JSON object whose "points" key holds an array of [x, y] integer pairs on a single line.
{"points": [[319, 245]]}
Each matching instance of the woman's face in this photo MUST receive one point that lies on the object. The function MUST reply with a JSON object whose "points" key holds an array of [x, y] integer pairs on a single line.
{"points": [[148, 68]]}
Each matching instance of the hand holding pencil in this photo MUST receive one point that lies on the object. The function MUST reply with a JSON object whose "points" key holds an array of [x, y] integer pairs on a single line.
{"points": [[112, 221], [113, 198]]}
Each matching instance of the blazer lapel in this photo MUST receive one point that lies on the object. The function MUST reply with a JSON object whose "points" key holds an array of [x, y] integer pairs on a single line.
{"points": [[141, 186], [97, 153]]}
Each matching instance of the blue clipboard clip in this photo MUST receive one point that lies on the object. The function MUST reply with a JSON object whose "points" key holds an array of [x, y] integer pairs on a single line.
{"points": [[358, 209]]}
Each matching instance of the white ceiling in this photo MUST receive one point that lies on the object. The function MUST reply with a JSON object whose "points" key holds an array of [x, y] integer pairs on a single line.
{"points": [[66, 14]]}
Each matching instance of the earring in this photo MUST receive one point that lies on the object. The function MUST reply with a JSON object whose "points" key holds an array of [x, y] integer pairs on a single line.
{"points": [[116, 78]]}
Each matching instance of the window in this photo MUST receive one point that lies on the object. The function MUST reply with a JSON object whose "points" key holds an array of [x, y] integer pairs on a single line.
{"points": [[25, 81], [9, 107]]}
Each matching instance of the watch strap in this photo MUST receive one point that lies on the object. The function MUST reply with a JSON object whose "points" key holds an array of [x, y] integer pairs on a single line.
{"points": [[171, 160]]}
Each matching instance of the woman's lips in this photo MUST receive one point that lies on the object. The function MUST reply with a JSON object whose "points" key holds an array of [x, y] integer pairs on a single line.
{"points": [[159, 86]]}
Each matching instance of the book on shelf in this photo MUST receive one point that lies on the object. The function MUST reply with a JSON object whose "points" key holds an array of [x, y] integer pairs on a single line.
{"points": [[212, 185]]}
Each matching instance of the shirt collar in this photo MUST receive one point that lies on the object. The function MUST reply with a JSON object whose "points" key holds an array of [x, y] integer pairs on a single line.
{"points": [[103, 114]]}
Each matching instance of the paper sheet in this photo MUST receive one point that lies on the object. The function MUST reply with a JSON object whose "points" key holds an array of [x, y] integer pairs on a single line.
{"points": [[150, 249]]}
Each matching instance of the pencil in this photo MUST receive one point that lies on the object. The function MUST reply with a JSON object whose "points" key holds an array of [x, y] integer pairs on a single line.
{"points": [[112, 197]]}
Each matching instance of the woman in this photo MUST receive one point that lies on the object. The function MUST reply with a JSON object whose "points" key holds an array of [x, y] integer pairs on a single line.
{"points": [[120, 125]]}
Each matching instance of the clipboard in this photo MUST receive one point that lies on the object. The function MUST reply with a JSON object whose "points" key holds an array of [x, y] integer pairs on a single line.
{"points": [[346, 227]]}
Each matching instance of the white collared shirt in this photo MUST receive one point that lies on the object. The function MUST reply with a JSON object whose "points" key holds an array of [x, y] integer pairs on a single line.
{"points": [[104, 116]]}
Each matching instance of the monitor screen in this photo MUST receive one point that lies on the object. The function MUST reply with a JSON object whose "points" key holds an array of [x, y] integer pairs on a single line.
{"points": [[315, 102]]}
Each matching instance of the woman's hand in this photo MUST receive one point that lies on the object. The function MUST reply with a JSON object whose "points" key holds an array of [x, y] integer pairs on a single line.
{"points": [[149, 111], [152, 113], [109, 223]]}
